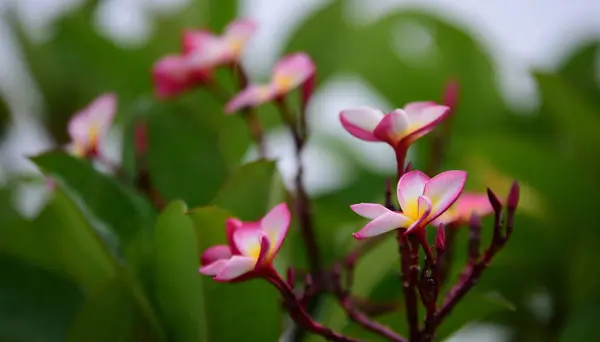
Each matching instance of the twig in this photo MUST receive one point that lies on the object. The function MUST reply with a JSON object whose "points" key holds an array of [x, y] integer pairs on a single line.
{"points": [[355, 315], [445, 265], [473, 271], [299, 314], [303, 210], [409, 275]]}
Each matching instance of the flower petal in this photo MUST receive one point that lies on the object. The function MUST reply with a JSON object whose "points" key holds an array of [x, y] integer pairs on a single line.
{"points": [[214, 268], [369, 210], [247, 241], [423, 117], [383, 224], [215, 253], [172, 76], [291, 71], [235, 267], [204, 51], [231, 225], [410, 186], [252, 96], [237, 34], [194, 41], [443, 190], [393, 127], [361, 122], [424, 211], [90, 124], [265, 256], [469, 203], [276, 224]]}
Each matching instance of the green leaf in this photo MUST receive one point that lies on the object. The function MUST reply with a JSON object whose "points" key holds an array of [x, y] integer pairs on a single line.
{"points": [[184, 158], [106, 315], [60, 239], [36, 305], [246, 311], [248, 192], [178, 287], [124, 211], [579, 70]]}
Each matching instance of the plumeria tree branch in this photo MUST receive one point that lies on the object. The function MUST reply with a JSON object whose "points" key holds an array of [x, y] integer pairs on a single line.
{"points": [[356, 315], [303, 208], [477, 265]]}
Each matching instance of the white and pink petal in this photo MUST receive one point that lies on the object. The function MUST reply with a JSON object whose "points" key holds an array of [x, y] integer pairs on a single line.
{"points": [[276, 224], [383, 224], [361, 122], [410, 186], [443, 190], [235, 267], [369, 210]]}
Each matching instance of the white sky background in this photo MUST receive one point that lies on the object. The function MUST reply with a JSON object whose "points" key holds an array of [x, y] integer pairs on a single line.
{"points": [[521, 35]]}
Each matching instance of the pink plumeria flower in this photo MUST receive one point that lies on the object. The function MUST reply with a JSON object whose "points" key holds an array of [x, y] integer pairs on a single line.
{"points": [[421, 199], [251, 248], [466, 205], [398, 128], [89, 126], [173, 75], [289, 73], [206, 51]]}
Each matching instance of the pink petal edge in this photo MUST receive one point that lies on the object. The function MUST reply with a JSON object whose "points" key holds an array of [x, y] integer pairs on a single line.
{"points": [[443, 190]]}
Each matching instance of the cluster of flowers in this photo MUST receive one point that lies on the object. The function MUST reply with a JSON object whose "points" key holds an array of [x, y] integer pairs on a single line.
{"points": [[252, 246]]}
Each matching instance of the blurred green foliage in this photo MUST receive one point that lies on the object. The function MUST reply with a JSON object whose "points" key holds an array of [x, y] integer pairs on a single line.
{"points": [[100, 264]]}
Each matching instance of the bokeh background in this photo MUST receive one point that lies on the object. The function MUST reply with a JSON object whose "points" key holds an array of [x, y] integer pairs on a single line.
{"points": [[528, 109]]}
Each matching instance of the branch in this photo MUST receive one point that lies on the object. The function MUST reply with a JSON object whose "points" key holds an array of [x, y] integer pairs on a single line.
{"points": [[299, 314], [409, 275], [302, 204], [476, 266], [355, 315]]}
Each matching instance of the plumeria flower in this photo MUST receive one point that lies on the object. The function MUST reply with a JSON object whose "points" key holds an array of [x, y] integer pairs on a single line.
{"points": [[399, 128], [421, 199], [205, 51], [289, 73], [89, 126], [465, 206], [251, 248], [173, 75]]}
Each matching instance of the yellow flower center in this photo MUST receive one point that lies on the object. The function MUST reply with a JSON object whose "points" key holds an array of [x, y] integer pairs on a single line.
{"points": [[284, 82]]}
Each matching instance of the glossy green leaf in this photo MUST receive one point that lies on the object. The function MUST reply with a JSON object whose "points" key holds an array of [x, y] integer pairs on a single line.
{"points": [[125, 212], [36, 305], [60, 239], [247, 311], [184, 157], [178, 287], [248, 192], [106, 315]]}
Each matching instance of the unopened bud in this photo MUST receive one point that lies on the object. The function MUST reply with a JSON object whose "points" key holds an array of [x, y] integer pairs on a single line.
{"points": [[494, 201], [513, 196], [451, 94]]}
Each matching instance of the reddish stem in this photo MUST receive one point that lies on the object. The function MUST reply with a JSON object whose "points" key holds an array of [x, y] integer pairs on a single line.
{"points": [[355, 315], [409, 275], [302, 204], [298, 313]]}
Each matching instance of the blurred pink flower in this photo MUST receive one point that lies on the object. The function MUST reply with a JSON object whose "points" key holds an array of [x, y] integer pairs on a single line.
{"points": [[289, 73], [399, 128], [204, 50], [421, 199], [465, 206], [89, 126], [173, 75], [251, 248]]}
